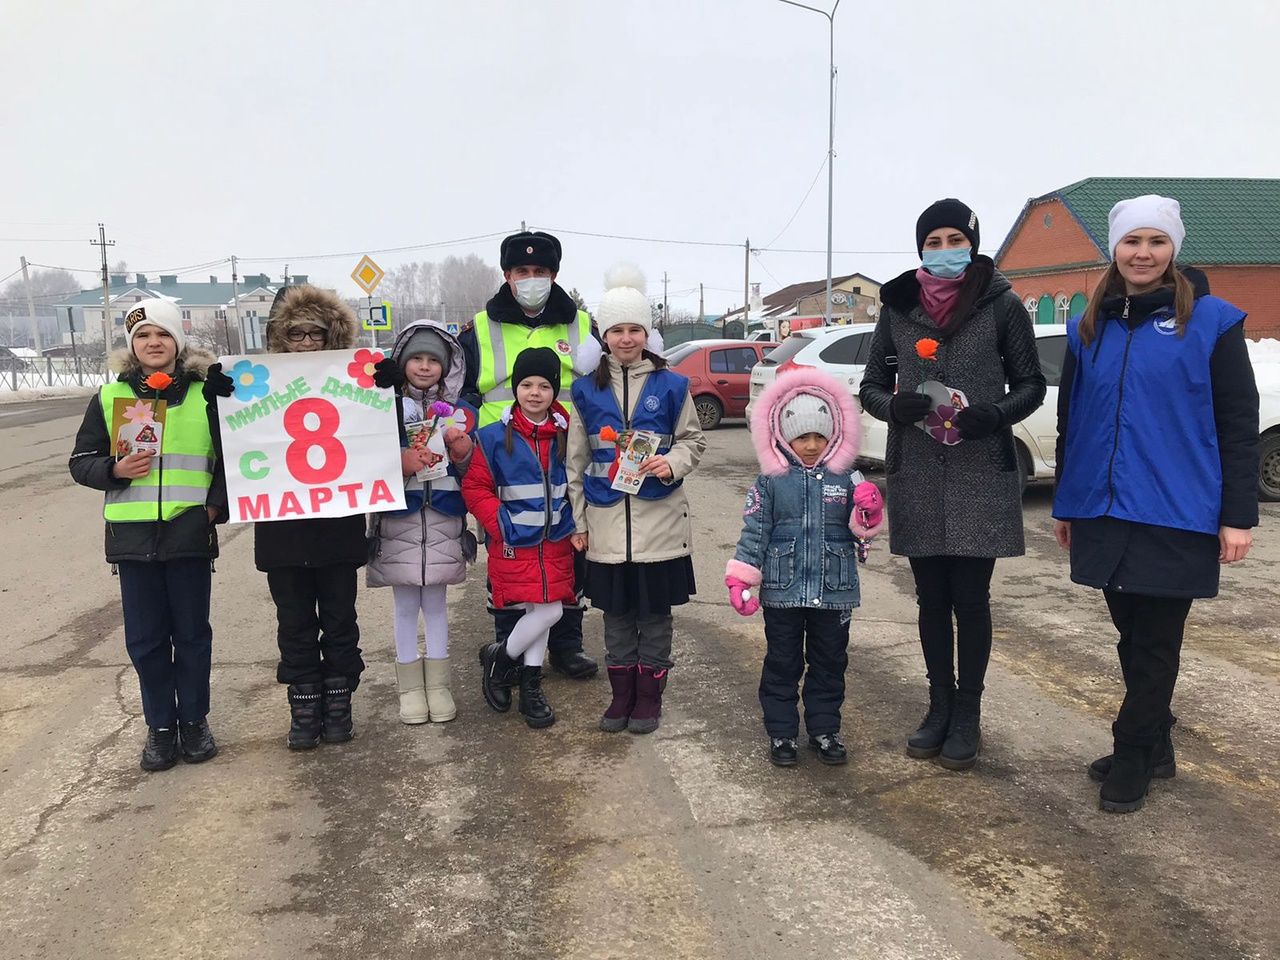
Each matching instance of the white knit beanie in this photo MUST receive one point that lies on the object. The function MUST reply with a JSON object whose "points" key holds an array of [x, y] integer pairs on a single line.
{"points": [[1148, 212], [806, 414], [624, 299], [158, 313]]}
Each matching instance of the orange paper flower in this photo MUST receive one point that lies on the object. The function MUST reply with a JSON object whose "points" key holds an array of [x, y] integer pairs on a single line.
{"points": [[158, 381], [927, 348], [608, 433]]}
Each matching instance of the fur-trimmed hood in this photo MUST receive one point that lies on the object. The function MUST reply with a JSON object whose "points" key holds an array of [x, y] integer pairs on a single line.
{"points": [[453, 376], [307, 304], [774, 454], [193, 360]]}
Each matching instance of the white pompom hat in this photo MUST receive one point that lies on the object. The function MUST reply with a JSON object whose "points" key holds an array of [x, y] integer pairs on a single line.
{"points": [[624, 301]]}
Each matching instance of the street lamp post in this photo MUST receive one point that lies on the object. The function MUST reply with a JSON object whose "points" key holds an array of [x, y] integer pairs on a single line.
{"points": [[831, 132]]}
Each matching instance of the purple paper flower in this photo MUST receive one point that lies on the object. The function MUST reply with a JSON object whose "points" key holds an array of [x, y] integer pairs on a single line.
{"points": [[941, 425], [441, 409]]}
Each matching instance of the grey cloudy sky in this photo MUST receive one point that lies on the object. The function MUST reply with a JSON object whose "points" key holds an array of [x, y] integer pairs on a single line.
{"points": [[292, 129]]}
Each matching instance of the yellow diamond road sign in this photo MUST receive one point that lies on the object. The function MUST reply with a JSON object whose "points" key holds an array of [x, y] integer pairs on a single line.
{"points": [[367, 274]]}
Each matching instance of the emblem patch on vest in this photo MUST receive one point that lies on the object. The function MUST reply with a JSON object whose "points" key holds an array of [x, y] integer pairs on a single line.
{"points": [[1166, 327], [508, 552], [651, 404], [562, 347]]}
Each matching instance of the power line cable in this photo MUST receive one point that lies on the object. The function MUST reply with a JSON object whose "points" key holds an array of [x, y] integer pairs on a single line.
{"points": [[356, 253], [803, 200]]}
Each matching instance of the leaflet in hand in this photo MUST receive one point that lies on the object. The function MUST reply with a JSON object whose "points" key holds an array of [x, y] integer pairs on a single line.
{"points": [[420, 434], [137, 425], [940, 422], [642, 445]]}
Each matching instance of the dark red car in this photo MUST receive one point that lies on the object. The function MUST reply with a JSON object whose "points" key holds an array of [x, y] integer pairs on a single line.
{"points": [[719, 373]]}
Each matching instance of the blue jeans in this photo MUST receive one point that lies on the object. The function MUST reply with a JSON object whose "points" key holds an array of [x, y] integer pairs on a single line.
{"points": [[168, 637]]}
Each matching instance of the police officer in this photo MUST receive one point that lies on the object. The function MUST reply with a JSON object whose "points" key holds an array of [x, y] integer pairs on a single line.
{"points": [[529, 310]]}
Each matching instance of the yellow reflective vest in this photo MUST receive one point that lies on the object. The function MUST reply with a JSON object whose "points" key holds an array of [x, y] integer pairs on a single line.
{"points": [[499, 345], [180, 475]]}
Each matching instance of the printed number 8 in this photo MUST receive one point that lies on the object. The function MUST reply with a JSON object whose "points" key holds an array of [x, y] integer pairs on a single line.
{"points": [[295, 457]]}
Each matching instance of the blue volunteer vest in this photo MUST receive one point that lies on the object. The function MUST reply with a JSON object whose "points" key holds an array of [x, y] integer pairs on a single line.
{"points": [[657, 409], [1142, 444], [444, 495], [535, 503]]}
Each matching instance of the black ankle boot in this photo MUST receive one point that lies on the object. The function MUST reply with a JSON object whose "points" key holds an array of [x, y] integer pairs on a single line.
{"points": [[499, 673], [533, 702], [161, 750], [304, 711], [1166, 767], [1129, 779], [928, 738], [336, 722], [964, 736]]}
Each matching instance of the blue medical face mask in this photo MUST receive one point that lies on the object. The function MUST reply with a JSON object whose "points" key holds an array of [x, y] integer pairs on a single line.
{"points": [[948, 263]]}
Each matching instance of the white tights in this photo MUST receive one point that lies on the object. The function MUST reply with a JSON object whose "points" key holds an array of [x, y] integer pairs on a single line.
{"points": [[435, 617], [529, 635]]}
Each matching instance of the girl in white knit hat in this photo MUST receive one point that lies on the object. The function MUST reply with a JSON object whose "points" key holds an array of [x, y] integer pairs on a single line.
{"points": [[637, 543]]}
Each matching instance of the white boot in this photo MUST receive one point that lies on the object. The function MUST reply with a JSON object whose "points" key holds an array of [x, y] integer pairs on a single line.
{"points": [[413, 697], [440, 700]]}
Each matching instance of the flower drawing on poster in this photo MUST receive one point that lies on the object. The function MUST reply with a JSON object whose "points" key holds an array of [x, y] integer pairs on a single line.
{"points": [[139, 412], [250, 381], [361, 368]]}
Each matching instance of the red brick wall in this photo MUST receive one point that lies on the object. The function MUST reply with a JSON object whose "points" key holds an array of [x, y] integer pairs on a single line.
{"points": [[1254, 289], [1038, 245]]}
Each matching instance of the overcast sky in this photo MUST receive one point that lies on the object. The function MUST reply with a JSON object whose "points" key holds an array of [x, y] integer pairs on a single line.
{"points": [[291, 129]]}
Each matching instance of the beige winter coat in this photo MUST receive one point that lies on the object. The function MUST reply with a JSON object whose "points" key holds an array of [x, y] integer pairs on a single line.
{"points": [[643, 531]]}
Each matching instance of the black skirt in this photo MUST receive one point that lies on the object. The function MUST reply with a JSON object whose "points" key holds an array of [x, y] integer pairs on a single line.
{"points": [[646, 589], [1140, 558]]}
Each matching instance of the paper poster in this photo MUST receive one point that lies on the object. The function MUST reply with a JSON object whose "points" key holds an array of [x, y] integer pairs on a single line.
{"points": [[309, 435], [642, 445], [940, 423], [137, 425]]}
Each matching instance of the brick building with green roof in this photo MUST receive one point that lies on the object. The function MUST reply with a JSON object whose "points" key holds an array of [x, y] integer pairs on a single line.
{"points": [[1057, 250]]}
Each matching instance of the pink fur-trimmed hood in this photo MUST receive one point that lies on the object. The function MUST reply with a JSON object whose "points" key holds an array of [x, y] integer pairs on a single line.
{"points": [[774, 454]]}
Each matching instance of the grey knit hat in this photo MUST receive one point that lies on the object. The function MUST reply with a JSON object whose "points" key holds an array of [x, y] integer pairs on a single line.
{"points": [[428, 341], [806, 414]]}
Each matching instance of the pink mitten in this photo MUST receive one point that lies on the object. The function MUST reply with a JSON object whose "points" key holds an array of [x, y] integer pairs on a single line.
{"points": [[867, 518], [458, 444], [740, 596]]}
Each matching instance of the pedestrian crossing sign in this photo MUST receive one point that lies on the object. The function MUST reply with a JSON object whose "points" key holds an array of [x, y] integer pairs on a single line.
{"points": [[377, 317]]}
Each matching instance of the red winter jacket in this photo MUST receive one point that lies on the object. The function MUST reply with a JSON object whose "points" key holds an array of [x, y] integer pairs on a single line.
{"points": [[540, 574]]}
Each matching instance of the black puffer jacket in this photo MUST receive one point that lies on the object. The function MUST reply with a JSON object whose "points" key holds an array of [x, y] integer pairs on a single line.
{"points": [[190, 534], [963, 500]]}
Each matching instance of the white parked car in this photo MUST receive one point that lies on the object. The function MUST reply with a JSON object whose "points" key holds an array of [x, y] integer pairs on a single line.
{"points": [[1268, 375]]}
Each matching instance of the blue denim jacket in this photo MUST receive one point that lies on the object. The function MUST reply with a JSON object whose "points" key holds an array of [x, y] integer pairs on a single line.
{"points": [[796, 533]]}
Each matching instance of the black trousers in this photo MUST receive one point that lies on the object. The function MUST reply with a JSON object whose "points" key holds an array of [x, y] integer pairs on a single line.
{"points": [[316, 623], [796, 636], [168, 637], [959, 586], [566, 635], [1150, 649]]}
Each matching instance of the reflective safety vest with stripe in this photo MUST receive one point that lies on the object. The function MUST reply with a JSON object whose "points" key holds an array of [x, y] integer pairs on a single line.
{"points": [[444, 494], [535, 502], [657, 409], [499, 345], [180, 475]]}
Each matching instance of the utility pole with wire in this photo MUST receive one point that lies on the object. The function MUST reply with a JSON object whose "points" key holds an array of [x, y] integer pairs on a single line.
{"points": [[746, 291], [235, 305], [31, 307], [702, 313], [102, 242], [665, 308]]}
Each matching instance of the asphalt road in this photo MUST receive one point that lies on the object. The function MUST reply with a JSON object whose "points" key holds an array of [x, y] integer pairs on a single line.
{"points": [[481, 838]]}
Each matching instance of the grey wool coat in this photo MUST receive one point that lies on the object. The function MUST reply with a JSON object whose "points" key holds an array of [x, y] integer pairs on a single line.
{"points": [[963, 500], [421, 547]]}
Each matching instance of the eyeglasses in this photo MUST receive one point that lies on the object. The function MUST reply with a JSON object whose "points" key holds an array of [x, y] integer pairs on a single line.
{"points": [[297, 336]]}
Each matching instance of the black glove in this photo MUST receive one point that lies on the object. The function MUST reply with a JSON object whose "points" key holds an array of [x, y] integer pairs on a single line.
{"points": [[216, 383], [908, 408], [387, 373], [979, 420]]}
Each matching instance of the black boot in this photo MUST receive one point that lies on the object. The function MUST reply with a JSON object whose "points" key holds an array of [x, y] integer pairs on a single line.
{"points": [[161, 750], [831, 749], [336, 724], [304, 710], [1166, 767], [499, 673], [782, 751], [534, 708], [960, 749], [197, 742], [574, 664], [1129, 779], [927, 740]]}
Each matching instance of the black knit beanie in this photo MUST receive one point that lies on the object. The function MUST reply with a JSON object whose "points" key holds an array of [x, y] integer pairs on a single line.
{"points": [[537, 362], [947, 213], [532, 248]]}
